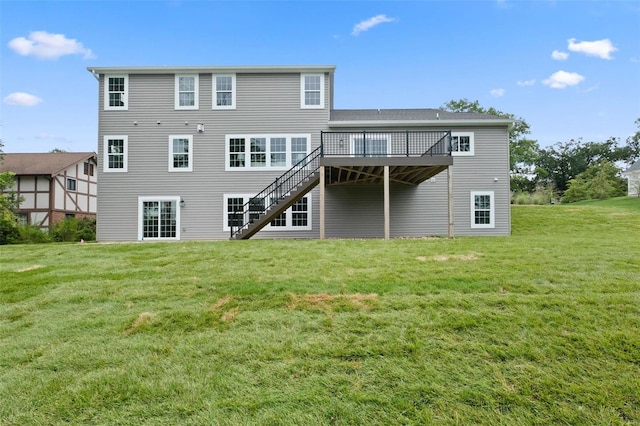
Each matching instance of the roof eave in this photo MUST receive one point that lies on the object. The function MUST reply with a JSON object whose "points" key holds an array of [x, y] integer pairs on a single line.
{"points": [[213, 69], [83, 158], [421, 123]]}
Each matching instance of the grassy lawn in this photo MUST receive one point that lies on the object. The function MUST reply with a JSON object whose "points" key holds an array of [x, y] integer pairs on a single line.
{"points": [[542, 327]]}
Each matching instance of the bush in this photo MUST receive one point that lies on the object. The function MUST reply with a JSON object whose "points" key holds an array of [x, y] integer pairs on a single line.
{"points": [[31, 234], [73, 230], [9, 232], [540, 196]]}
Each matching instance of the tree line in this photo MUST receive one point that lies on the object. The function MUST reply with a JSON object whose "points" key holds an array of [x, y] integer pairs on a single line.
{"points": [[568, 171]]}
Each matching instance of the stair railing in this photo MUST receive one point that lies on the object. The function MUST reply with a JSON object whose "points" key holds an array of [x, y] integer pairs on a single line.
{"points": [[276, 191]]}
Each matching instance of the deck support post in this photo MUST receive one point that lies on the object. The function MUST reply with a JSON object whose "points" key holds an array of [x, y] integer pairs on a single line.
{"points": [[450, 200], [322, 202], [386, 203]]}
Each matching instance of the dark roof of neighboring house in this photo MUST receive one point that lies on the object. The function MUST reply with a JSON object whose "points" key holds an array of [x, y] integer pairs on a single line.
{"points": [[42, 163], [424, 114]]}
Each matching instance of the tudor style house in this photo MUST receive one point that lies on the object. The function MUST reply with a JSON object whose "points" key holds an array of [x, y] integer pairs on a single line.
{"points": [[53, 186], [191, 153]]}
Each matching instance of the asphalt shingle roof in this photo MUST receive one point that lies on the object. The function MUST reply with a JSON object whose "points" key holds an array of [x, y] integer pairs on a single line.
{"points": [[424, 114], [41, 163]]}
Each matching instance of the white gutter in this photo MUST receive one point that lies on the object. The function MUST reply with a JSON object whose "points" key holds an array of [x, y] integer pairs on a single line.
{"points": [[213, 69], [421, 123]]}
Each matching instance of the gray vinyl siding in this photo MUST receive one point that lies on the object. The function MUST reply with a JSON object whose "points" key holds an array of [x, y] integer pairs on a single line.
{"points": [[270, 104], [265, 104], [354, 211]]}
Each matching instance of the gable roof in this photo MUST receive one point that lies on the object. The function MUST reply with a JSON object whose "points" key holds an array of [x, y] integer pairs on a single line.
{"points": [[50, 163], [423, 117]]}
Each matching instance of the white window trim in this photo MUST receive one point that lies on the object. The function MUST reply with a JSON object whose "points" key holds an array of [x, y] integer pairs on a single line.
{"points": [[352, 146], [196, 94], [214, 104], [125, 97], [303, 105], [141, 200], [190, 154], [492, 217], [471, 144], [247, 152], [105, 157], [269, 228]]}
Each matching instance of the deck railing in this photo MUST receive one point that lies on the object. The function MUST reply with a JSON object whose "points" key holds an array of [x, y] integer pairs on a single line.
{"points": [[406, 143]]}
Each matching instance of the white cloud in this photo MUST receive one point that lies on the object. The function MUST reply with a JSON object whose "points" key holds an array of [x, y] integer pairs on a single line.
{"points": [[44, 45], [370, 23], [526, 83], [22, 99], [559, 56], [562, 79], [497, 93], [600, 48]]}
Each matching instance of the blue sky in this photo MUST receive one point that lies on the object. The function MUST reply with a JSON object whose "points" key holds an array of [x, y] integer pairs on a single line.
{"points": [[570, 68]]}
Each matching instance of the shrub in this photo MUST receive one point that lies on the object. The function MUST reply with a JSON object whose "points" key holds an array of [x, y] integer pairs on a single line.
{"points": [[9, 232], [72, 230], [31, 234]]}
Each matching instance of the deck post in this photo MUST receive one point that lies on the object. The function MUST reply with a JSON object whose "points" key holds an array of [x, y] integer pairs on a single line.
{"points": [[386, 202], [322, 202], [450, 199]]}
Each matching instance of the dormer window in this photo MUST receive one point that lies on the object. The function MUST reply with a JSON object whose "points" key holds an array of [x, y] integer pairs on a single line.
{"points": [[116, 92]]}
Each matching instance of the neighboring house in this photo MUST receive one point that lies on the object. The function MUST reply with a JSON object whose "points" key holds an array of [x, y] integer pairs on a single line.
{"points": [[54, 186], [633, 179], [191, 153]]}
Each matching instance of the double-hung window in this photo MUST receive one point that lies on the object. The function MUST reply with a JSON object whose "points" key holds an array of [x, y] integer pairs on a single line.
{"points": [[312, 91], [296, 217], [224, 91], [482, 209], [180, 153], [116, 92], [259, 152], [187, 91], [299, 149], [278, 146], [115, 153], [158, 218], [462, 143]]}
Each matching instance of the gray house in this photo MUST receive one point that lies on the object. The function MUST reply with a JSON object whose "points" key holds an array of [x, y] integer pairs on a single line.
{"points": [[633, 179], [190, 153]]}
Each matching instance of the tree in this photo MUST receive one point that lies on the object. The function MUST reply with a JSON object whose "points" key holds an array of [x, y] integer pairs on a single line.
{"points": [[9, 202], [523, 152], [57, 150], [562, 162], [597, 182]]}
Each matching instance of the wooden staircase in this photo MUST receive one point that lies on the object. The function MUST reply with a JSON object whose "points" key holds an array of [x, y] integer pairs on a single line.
{"points": [[278, 207]]}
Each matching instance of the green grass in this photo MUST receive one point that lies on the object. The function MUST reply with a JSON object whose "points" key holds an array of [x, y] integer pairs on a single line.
{"points": [[542, 327]]}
